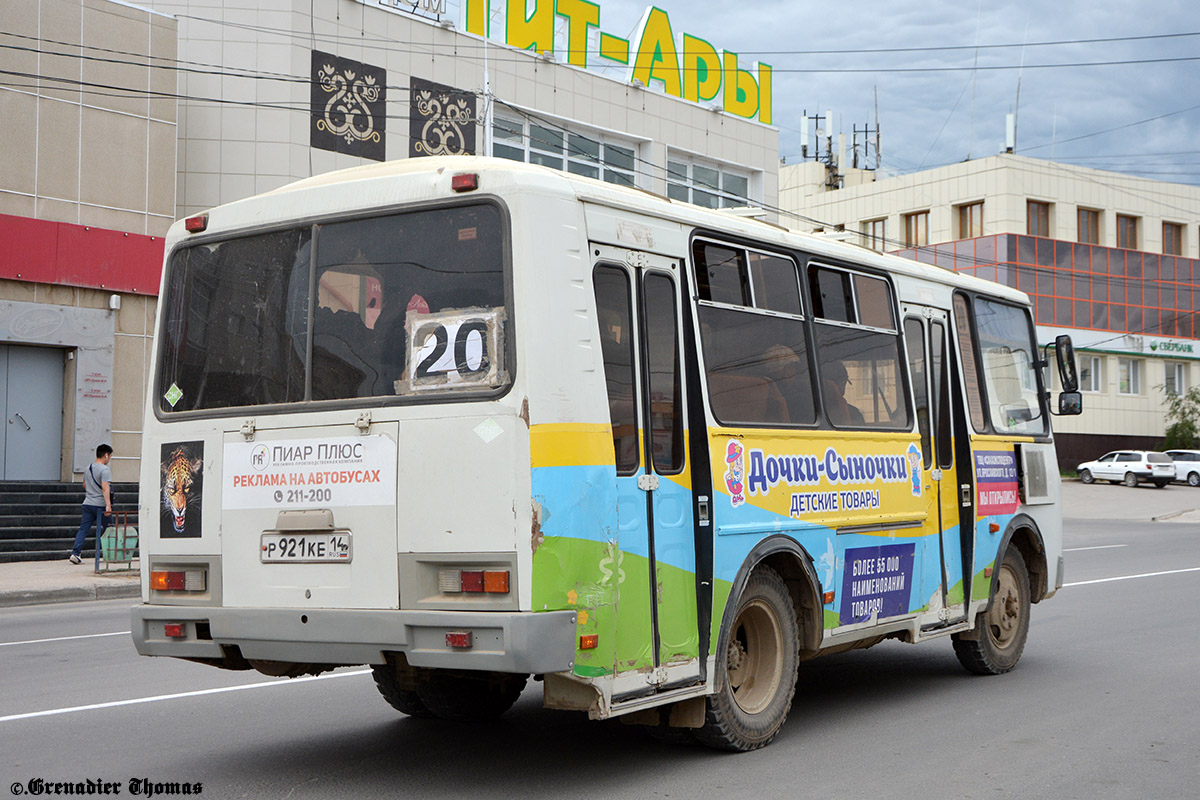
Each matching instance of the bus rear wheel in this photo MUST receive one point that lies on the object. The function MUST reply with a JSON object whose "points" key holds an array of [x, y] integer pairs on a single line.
{"points": [[995, 645], [757, 676], [470, 697], [403, 700]]}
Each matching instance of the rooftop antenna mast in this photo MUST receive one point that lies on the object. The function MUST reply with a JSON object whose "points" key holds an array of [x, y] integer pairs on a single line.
{"points": [[878, 148], [1020, 72]]}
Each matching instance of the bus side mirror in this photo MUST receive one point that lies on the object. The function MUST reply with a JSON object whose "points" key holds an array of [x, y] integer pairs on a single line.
{"points": [[1070, 404], [1064, 351]]}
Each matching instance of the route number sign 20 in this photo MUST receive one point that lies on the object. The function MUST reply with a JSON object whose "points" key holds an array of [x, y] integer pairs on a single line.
{"points": [[457, 347]]}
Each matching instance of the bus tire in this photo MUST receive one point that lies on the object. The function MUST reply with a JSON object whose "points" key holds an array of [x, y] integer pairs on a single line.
{"points": [[995, 645], [756, 679], [405, 701], [473, 698]]}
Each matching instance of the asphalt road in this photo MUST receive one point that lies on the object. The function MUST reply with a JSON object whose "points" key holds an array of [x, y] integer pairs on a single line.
{"points": [[1102, 705]]}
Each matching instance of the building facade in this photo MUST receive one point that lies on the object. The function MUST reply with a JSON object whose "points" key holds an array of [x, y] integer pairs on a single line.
{"points": [[119, 118], [87, 189], [308, 86], [1111, 259]]}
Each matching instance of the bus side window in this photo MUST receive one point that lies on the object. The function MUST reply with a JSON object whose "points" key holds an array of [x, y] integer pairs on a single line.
{"points": [[862, 377], [756, 358], [966, 352], [721, 274], [831, 295], [774, 282], [914, 336], [940, 367], [615, 315]]}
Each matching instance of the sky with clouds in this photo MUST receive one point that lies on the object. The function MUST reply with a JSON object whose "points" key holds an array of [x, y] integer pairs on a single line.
{"points": [[957, 109]]}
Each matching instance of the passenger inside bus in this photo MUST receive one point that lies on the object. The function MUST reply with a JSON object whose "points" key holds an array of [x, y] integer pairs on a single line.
{"points": [[833, 388], [345, 350]]}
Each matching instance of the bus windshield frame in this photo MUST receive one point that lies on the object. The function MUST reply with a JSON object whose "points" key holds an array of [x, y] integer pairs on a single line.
{"points": [[352, 319]]}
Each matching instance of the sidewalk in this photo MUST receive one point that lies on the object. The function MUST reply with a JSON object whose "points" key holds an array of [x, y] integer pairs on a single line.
{"points": [[27, 583]]}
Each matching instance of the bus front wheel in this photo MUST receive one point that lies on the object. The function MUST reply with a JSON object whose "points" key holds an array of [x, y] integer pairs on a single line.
{"points": [[757, 676], [996, 643]]}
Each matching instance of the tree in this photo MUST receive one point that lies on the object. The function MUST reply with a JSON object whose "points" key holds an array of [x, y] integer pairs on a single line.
{"points": [[1183, 420]]}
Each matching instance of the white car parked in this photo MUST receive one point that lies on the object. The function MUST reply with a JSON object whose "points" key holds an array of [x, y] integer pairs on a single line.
{"points": [[1129, 467], [1187, 465]]}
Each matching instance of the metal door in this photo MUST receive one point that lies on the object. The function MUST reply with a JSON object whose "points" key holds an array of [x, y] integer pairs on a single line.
{"points": [[657, 634], [31, 387], [926, 331]]}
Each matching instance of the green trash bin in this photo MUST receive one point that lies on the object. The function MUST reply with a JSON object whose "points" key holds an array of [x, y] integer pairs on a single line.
{"points": [[119, 545]]}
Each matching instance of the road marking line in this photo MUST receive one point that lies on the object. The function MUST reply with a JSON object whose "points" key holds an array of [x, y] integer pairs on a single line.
{"points": [[200, 693], [1120, 578], [1097, 547], [65, 638]]}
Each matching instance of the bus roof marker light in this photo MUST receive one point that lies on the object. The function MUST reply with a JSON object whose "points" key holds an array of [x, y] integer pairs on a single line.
{"points": [[196, 224], [465, 182]]}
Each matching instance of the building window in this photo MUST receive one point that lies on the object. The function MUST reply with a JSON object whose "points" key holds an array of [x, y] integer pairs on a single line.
{"points": [[1176, 378], [1172, 239], [591, 155], [970, 220], [706, 184], [1129, 376], [875, 234], [1091, 374], [1126, 232], [1089, 226], [1038, 216], [916, 229]]}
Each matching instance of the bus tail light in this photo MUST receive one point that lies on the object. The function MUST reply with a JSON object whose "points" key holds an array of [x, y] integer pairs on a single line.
{"points": [[495, 581], [473, 581], [190, 580], [458, 639], [175, 630]]}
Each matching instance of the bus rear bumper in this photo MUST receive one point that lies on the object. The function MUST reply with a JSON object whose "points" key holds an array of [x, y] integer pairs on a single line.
{"points": [[520, 642]]}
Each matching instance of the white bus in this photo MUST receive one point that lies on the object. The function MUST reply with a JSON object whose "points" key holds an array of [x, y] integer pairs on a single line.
{"points": [[468, 421]]}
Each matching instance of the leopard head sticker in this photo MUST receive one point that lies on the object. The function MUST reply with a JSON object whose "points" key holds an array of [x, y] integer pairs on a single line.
{"points": [[182, 480]]}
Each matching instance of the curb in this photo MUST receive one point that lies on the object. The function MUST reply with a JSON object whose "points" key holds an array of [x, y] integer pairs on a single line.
{"points": [[1173, 515], [74, 594]]}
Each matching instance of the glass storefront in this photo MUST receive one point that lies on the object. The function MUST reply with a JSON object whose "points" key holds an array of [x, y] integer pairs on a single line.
{"points": [[1086, 286]]}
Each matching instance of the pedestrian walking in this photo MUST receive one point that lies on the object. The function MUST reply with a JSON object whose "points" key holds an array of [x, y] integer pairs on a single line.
{"points": [[97, 500]]}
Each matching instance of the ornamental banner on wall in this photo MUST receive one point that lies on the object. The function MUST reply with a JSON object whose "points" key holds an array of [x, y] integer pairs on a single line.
{"points": [[441, 121], [348, 106]]}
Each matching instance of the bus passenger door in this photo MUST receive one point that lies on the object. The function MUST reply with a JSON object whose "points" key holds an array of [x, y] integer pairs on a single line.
{"points": [[657, 633], [925, 331]]}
